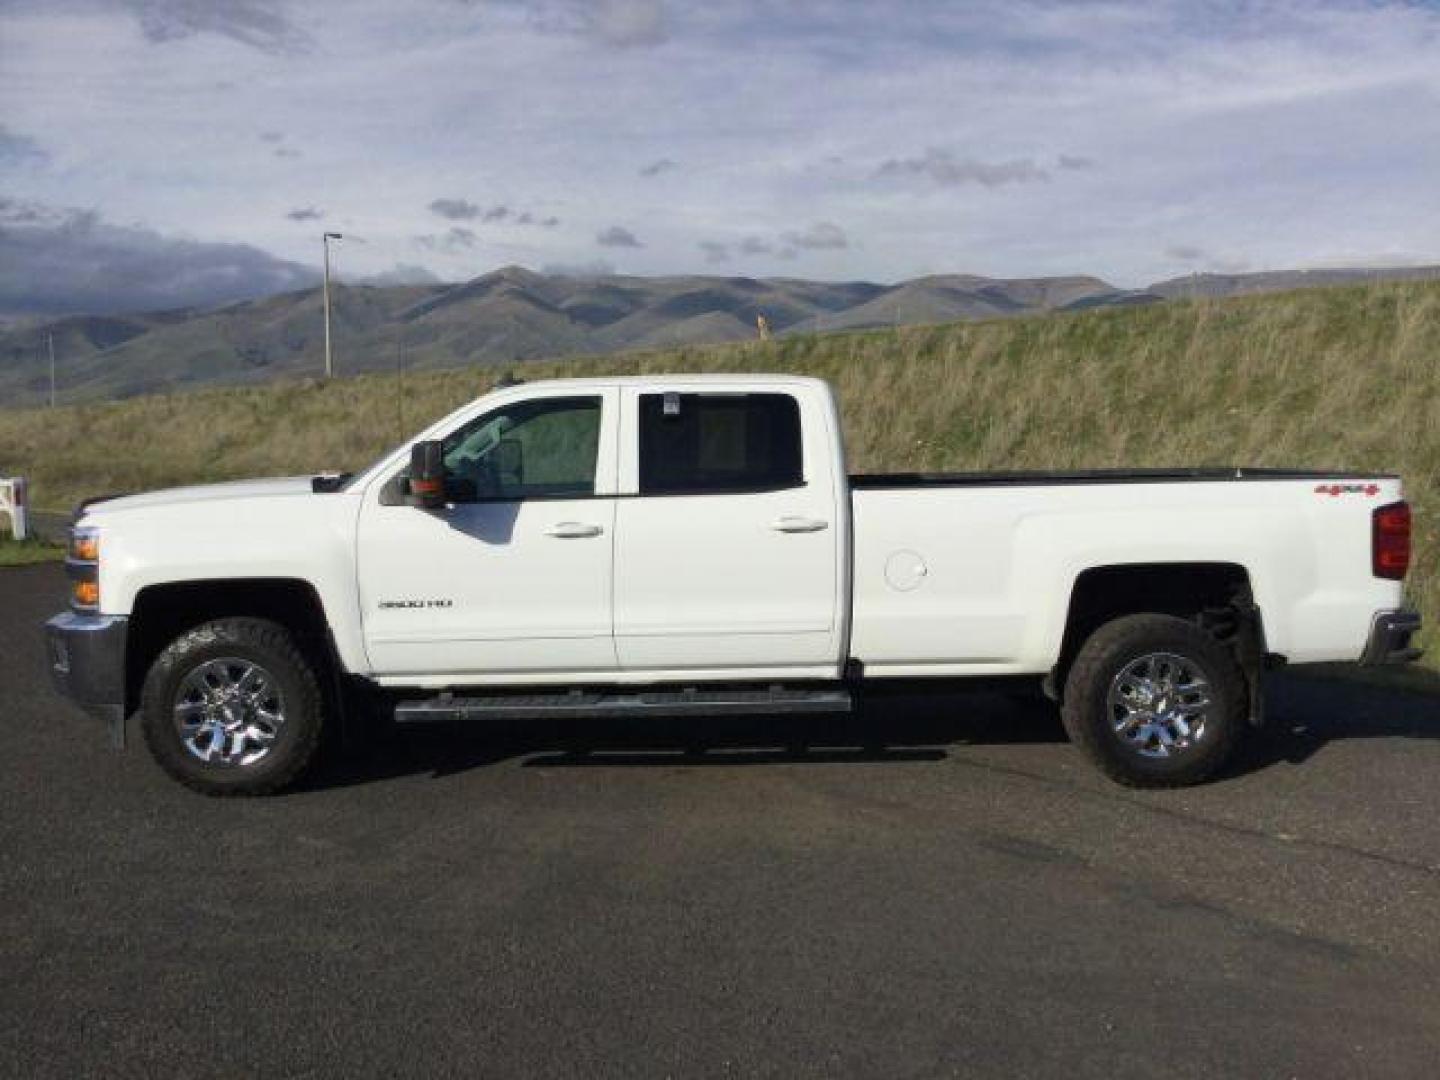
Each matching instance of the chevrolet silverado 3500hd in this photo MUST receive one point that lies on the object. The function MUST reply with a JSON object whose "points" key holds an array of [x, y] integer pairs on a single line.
{"points": [[694, 545]]}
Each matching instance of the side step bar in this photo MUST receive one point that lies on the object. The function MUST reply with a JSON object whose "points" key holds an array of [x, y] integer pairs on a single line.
{"points": [[688, 701]]}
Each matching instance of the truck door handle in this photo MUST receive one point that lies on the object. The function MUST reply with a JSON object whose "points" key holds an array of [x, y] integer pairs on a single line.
{"points": [[573, 530], [791, 523]]}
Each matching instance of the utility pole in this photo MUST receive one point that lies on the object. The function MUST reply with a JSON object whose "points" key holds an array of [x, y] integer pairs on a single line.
{"points": [[50, 339], [329, 359]]}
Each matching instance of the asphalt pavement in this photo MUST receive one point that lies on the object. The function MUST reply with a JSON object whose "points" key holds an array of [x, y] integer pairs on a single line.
{"points": [[936, 887]]}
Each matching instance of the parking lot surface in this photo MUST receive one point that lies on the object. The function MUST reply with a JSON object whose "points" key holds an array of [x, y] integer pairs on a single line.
{"points": [[934, 887]]}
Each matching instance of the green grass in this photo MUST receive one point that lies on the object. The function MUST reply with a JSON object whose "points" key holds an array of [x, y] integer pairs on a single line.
{"points": [[26, 552], [1345, 378]]}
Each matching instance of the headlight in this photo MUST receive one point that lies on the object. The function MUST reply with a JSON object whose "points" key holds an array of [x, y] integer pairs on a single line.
{"points": [[82, 564]]}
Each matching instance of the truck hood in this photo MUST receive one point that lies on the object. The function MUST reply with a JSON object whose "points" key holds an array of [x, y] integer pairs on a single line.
{"points": [[235, 489]]}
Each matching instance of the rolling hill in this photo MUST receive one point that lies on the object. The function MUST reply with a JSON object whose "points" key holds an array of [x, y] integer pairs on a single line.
{"points": [[515, 315]]}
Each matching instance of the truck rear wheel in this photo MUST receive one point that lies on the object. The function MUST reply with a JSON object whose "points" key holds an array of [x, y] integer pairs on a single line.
{"points": [[233, 707], [1155, 701]]}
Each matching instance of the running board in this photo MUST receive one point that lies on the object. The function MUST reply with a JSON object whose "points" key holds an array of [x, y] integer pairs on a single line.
{"points": [[688, 702]]}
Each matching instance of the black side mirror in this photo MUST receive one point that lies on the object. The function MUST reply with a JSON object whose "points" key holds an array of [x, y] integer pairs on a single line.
{"points": [[427, 475]]}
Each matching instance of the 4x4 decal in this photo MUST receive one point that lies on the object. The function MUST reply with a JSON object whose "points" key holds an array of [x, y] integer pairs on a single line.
{"points": [[1336, 490]]}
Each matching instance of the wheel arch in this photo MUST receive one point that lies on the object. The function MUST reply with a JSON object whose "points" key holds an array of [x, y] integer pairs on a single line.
{"points": [[163, 612], [1217, 595]]}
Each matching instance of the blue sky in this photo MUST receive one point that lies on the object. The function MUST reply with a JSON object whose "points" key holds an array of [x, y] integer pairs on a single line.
{"points": [[183, 150]]}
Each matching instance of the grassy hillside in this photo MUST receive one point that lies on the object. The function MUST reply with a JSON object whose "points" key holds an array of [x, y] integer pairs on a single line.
{"points": [[1345, 378]]}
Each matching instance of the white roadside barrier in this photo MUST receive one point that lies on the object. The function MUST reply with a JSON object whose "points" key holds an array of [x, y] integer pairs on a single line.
{"points": [[14, 500]]}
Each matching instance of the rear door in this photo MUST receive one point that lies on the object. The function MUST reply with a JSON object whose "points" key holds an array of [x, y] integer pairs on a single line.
{"points": [[728, 535]]}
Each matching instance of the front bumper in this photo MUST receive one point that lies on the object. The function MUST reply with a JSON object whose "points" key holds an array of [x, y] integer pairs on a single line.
{"points": [[1390, 636], [87, 665]]}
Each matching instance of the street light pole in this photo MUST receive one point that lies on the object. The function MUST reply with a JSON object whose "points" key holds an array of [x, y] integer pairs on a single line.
{"points": [[329, 360]]}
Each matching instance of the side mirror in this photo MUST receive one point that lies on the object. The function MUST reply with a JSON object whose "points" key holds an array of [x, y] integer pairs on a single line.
{"points": [[427, 475]]}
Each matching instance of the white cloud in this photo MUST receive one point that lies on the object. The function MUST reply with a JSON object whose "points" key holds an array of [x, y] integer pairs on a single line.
{"points": [[265, 25], [55, 260], [617, 236], [946, 168], [821, 236], [454, 209], [1277, 134], [1187, 253], [20, 150], [627, 22], [616, 23], [403, 274], [453, 241]]}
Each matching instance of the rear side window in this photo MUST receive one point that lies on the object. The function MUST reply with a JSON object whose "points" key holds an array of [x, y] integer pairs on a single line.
{"points": [[697, 443]]}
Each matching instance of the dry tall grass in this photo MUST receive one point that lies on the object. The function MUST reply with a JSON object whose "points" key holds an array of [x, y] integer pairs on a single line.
{"points": [[1336, 378]]}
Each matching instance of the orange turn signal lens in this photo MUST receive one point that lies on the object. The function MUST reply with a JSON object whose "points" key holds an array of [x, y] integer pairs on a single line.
{"points": [[85, 546], [87, 594]]}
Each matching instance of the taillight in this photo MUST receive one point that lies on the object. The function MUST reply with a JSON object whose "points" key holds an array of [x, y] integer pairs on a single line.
{"points": [[1390, 541]]}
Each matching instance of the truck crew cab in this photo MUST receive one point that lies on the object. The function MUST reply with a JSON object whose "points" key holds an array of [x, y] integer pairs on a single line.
{"points": [[693, 544]]}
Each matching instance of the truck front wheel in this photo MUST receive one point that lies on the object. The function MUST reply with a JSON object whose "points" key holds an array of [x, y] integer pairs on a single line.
{"points": [[1155, 701], [233, 707]]}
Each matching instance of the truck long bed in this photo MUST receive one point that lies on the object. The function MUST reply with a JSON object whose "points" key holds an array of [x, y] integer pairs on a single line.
{"points": [[1103, 476]]}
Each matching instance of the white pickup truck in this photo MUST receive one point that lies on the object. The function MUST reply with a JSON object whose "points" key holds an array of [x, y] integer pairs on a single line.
{"points": [[692, 544]]}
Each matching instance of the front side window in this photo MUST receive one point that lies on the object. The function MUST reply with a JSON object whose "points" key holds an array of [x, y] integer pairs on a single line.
{"points": [[543, 448], [699, 443]]}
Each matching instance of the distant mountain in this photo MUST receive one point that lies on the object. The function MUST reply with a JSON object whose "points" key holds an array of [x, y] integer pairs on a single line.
{"points": [[514, 314], [1210, 285], [953, 297]]}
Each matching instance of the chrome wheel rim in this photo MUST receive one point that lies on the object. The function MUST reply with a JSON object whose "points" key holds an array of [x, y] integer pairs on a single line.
{"points": [[1160, 704], [229, 712]]}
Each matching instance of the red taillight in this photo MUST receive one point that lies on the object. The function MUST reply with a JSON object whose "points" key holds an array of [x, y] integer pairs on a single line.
{"points": [[1390, 541]]}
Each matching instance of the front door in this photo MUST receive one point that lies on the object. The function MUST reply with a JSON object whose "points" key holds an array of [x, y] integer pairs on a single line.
{"points": [[511, 580]]}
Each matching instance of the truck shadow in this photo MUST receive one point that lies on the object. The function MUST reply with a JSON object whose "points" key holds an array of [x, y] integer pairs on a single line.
{"points": [[1304, 715], [912, 728]]}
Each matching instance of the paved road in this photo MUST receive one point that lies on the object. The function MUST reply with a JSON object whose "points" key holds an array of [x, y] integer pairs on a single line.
{"points": [[932, 889]]}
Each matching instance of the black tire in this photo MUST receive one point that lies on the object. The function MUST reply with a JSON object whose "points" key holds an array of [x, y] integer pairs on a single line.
{"points": [[296, 689], [1088, 711]]}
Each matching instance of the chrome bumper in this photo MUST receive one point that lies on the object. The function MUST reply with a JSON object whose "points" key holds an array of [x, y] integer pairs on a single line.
{"points": [[1390, 636], [87, 665]]}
